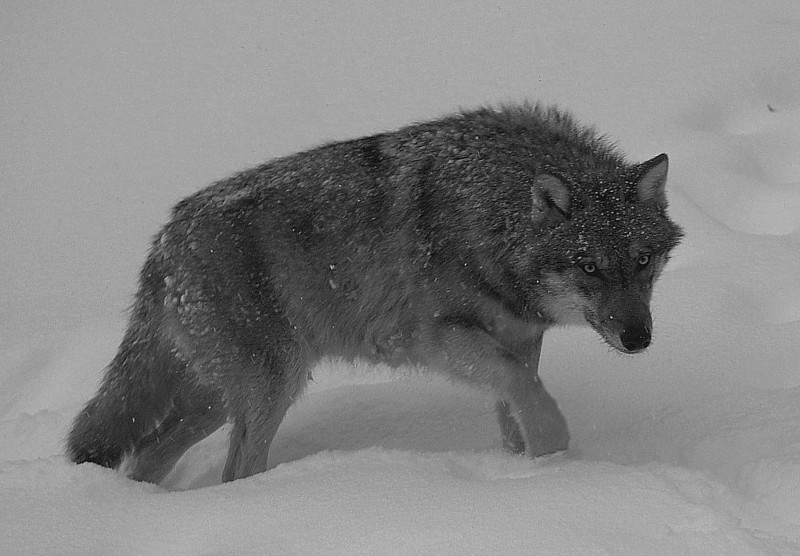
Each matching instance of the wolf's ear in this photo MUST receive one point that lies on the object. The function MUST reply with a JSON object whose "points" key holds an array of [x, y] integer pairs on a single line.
{"points": [[549, 199], [653, 180]]}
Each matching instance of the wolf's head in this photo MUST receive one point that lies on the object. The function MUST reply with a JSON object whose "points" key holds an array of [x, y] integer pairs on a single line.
{"points": [[606, 238]]}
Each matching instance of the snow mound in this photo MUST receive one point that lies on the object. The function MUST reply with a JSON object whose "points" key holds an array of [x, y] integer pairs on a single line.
{"points": [[398, 502]]}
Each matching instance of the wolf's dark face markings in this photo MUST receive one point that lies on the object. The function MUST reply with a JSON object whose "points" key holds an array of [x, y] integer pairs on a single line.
{"points": [[616, 243]]}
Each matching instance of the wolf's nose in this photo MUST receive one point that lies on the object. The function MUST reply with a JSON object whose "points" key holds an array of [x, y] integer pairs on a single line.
{"points": [[635, 339]]}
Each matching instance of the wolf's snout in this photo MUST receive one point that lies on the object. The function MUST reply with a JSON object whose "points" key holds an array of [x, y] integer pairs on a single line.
{"points": [[627, 324], [635, 338]]}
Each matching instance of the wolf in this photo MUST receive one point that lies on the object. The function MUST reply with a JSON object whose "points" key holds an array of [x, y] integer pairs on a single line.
{"points": [[452, 244]]}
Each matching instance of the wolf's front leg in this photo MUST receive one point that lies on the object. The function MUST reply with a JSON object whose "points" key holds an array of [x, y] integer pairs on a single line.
{"points": [[513, 440], [532, 423], [529, 418]]}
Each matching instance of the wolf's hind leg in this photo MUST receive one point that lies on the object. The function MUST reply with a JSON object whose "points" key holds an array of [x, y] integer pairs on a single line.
{"points": [[251, 438], [197, 412], [258, 405]]}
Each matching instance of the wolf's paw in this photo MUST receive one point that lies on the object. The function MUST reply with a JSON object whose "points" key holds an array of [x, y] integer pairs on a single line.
{"points": [[557, 441], [515, 445], [551, 436]]}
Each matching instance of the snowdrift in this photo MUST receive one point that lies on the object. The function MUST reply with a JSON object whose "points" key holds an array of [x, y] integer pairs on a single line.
{"points": [[693, 447]]}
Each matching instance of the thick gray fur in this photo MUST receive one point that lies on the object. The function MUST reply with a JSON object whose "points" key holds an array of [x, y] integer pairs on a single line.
{"points": [[452, 244]]}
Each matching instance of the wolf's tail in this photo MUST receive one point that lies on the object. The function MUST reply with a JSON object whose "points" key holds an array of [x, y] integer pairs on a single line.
{"points": [[134, 397], [138, 386]]}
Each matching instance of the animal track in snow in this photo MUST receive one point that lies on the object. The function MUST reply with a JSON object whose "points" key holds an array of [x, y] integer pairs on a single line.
{"points": [[757, 165], [770, 141]]}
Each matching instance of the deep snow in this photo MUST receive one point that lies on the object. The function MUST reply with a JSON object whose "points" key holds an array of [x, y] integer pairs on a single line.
{"points": [[111, 114]]}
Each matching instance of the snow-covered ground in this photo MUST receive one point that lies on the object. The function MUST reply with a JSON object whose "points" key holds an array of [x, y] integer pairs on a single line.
{"points": [[111, 114]]}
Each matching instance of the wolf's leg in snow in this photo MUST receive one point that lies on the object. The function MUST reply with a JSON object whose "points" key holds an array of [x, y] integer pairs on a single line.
{"points": [[258, 402], [529, 418], [512, 436], [528, 405], [197, 412], [533, 414], [251, 438]]}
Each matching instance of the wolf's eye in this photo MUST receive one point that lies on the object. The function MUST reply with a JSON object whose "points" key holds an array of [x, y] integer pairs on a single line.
{"points": [[590, 269], [643, 260]]}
